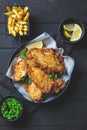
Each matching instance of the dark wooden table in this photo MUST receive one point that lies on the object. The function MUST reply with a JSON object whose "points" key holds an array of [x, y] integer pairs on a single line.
{"points": [[71, 112]]}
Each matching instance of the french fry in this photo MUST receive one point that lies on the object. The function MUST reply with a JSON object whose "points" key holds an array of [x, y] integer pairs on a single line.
{"points": [[14, 7], [14, 33], [17, 24], [13, 16], [26, 16], [25, 29], [9, 13], [8, 9], [17, 20], [16, 13], [21, 27], [20, 12], [23, 22], [13, 23], [25, 26], [9, 30], [19, 9], [16, 29], [25, 33], [10, 21], [25, 9], [21, 33]]}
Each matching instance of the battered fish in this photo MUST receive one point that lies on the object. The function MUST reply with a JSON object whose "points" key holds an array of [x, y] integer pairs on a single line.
{"points": [[59, 84], [39, 77], [20, 69], [47, 59], [41, 62], [35, 93]]}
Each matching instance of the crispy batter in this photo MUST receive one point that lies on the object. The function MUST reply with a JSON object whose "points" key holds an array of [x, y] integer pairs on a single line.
{"points": [[35, 93], [39, 77], [41, 62], [19, 69], [47, 59], [59, 84]]}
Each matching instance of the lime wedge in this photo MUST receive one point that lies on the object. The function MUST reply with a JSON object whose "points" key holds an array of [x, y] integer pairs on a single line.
{"points": [[69, 27], [77, 32], [38, 44]]}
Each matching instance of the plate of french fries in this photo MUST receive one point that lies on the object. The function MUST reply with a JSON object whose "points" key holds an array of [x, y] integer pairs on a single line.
{"points": [[17, 20]]}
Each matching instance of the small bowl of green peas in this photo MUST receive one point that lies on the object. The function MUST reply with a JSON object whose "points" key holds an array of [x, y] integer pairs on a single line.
{"points": [[11, 108]]}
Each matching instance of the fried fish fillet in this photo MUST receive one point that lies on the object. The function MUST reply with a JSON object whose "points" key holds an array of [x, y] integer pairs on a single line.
{"points": [[41, 62], [35, 93], [59, 84], [47, 59], [39, 77], [20, 69]]}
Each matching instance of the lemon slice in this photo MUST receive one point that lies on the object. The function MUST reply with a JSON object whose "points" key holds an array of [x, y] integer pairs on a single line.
{"points": [[38, 44], [67, 35], [77, 32], [69, 27]]}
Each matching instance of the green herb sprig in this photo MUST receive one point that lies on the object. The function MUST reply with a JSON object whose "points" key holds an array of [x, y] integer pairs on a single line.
{"points": [[53, 76], [26, 80], [23, 53]]}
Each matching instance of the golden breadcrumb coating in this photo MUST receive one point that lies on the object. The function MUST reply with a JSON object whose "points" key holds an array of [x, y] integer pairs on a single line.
{"points": [[40, 63], [19, 69], [35, 93], [39, 77], [47, 59], [59, 84]]}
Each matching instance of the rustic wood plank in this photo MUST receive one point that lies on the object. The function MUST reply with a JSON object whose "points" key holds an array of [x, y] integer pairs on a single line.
{"points": [[6, 41], [1, 74], [35, 30], [46, 128], [2, 29], [34, 5], [78, 88], [80, 56], [71, 112], [39, 28], [66, 114], [49, 10], [4, 58]]}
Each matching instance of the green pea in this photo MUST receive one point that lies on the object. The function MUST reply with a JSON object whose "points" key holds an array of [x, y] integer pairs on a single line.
{"points": [[15, 108]]}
